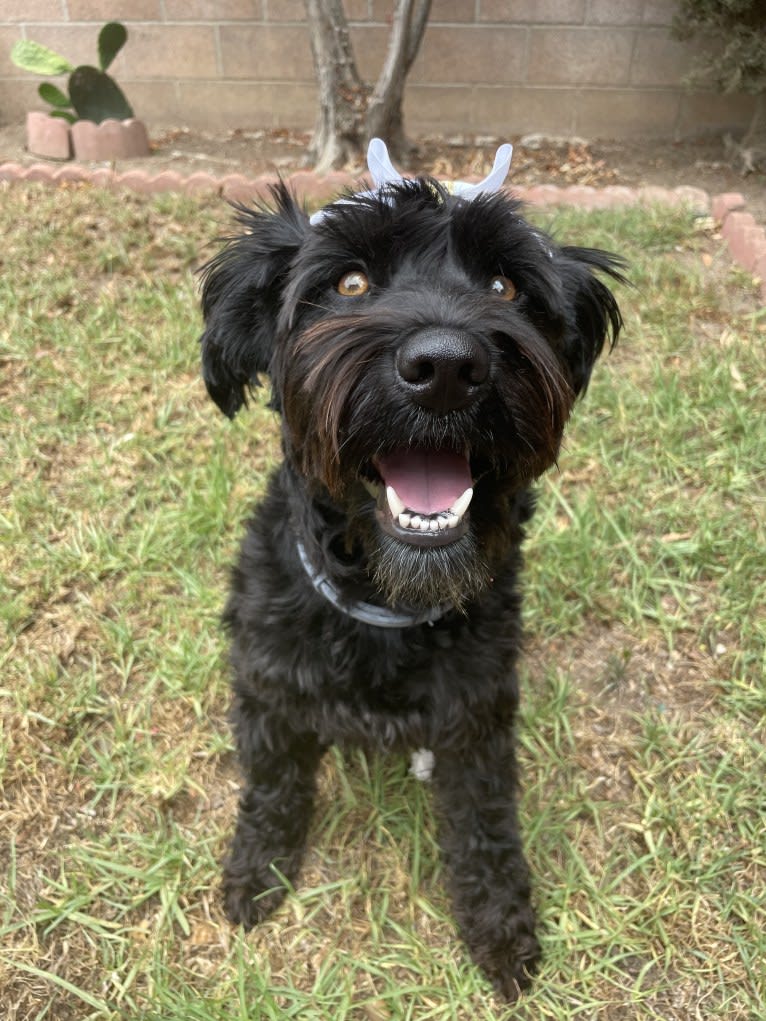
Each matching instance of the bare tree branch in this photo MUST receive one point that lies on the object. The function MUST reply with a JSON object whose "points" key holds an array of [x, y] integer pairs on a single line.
{"points": [[384, 113], [420, 15]]}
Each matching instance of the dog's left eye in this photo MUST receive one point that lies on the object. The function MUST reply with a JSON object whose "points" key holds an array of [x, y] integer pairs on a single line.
{"points": [[353, 284], [503, 287]]}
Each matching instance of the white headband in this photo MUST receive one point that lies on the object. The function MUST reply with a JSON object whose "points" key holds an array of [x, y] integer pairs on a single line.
{"points": [[383, 174]]}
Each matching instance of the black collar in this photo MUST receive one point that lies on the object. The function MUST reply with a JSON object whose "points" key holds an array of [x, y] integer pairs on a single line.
{"points": [[368, 613]]}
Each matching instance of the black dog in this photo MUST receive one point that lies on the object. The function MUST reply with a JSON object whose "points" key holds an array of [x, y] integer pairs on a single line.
{"points": [[425, 351]]}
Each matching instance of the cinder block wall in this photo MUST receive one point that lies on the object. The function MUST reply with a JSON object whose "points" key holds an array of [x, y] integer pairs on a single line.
{"points": [[597, 68]]}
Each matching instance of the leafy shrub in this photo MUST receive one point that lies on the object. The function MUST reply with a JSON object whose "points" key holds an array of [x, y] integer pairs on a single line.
{"points": [[740, 25]]}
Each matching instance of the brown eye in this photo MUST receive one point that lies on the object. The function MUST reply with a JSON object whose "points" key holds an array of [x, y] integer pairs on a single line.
{"points": [[353, 284], [503, 288]]}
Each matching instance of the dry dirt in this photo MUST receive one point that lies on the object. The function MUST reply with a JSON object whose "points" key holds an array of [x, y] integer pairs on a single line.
{"points": [[701, 163]]}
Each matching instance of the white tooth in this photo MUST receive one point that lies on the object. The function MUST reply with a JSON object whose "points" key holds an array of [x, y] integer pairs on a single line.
{"points": [[443, 521], [371, 487], [394, 502], [453, 521], [433, 524], [460, 506], [415, 521], [405, 520], [424, 525]]}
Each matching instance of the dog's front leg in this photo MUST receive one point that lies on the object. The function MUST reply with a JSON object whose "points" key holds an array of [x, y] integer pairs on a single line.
{"points": [[487, 872], [279, 765]]}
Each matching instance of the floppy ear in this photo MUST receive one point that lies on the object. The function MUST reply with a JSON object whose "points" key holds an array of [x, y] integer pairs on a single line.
{"points": [[241, 293], [592, 311]]}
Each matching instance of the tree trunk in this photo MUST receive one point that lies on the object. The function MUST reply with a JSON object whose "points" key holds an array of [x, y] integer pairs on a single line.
{"points": [[384, 113], [755, 138], [342, 94], [749, 155], [346, 121]]}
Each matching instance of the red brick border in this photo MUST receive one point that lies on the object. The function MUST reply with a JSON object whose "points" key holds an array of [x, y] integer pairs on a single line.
{"points": [[746, 240]]}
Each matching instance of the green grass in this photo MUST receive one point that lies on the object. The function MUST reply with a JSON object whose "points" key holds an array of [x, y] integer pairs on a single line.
{"points": [[122, 496]]}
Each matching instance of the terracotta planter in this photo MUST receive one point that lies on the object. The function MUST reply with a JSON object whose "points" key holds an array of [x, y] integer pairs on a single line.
{"points": [[55, 138], [48, 136], [109, 140]]}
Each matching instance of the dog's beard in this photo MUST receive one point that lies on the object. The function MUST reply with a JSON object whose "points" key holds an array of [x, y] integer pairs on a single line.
{"points": [[412, 576]]}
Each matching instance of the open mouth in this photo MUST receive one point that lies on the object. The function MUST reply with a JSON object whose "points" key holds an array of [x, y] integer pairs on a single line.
{"points": [[422, 495]]}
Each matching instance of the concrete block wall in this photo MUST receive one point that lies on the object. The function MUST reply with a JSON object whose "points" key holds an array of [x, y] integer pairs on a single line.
{"points": [[597, 68]]}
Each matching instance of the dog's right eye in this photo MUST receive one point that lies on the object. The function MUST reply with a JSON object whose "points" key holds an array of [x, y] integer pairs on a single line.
{"points": [[353, 284], [503, 288]]}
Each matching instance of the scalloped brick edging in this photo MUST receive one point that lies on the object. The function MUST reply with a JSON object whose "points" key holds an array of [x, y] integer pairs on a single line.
{"points": [[310, 187], [745, 239]]}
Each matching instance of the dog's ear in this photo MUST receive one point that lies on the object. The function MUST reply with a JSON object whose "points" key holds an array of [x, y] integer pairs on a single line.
{"points": [[593, 314], [241, 293]]}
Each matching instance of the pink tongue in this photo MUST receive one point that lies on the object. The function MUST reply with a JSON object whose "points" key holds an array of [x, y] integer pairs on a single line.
{"points": [[426, 481]]}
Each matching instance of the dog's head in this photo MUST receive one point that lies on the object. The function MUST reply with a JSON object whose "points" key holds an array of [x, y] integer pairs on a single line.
{"points": [[425, 352]]}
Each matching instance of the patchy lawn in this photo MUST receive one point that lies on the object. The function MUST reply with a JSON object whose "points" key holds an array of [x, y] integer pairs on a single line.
{"points": [[122, 495]]}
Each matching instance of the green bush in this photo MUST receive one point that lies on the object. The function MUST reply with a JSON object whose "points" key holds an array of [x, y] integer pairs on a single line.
{"points": [[741, 26], [738, 66]]}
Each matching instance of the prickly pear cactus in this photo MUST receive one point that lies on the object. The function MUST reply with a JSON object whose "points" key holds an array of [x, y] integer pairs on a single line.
{"points": [[92, 94], [95, 96]]}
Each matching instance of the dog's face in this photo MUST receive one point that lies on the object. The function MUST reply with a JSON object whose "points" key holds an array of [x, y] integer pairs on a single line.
{"points": [[425, 352]]}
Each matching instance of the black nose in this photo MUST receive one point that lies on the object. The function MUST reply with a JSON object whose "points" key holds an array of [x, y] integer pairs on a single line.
{"points": [[442, 369]]}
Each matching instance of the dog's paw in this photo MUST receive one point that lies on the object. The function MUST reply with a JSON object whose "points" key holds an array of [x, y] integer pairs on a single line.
{"points": [[510, 968], [504, 946], [247, 902]]}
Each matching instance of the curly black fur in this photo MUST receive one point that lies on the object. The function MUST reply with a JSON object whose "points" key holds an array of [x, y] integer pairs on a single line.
{"points": [[306, 674]]}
